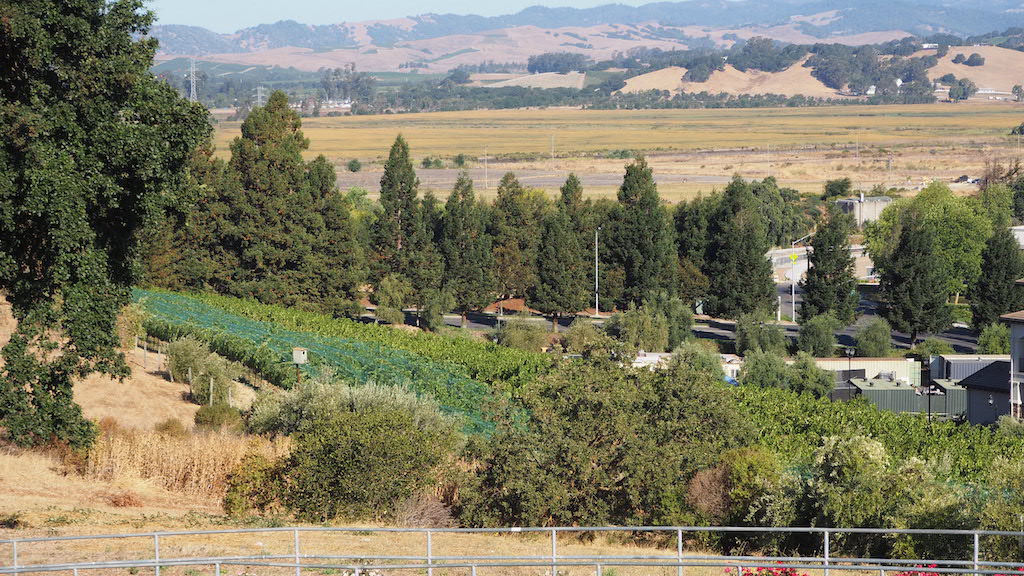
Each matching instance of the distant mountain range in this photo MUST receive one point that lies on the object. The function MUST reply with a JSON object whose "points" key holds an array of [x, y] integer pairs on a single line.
{"points": [[416, 42]]}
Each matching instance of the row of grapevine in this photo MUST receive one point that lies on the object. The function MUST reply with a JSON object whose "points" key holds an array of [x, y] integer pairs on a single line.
{"points": [[484, 361], [265, 347], [793, 424]]}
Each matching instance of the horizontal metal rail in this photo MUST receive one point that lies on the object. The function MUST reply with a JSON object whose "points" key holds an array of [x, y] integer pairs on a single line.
{"points": [[431, 561]]}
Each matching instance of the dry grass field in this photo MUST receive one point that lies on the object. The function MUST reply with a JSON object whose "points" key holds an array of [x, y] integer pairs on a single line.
{"points": [[691, 151]]}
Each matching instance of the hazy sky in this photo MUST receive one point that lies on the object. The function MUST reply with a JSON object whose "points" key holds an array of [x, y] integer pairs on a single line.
{"points": [[231, 15]]}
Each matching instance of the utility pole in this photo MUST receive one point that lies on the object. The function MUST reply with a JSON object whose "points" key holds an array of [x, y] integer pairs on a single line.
{"points": [[597, 307], [260, 98], [192, 80], [485, 169]]}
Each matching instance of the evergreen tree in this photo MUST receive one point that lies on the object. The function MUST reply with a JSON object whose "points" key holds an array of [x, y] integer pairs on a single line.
{"points": [[642, 241], [996, 292], [396, 224], [92, 148], [740, 275], [424, 263], [561, 288], [831, 285], [516, 230], [468, 275], [913, 284]]}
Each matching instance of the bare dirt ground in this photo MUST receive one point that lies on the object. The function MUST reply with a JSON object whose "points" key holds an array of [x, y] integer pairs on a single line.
{"points": [[684, 175]]}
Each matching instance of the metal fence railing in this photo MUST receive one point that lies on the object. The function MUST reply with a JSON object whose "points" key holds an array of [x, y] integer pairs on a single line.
{"points": [[361, 551]]}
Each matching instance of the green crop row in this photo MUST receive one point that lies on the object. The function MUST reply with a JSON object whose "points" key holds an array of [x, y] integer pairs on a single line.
{"points": [[483, 361]]}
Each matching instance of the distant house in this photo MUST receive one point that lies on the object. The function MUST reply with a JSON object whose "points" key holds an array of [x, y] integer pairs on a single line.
{"points": [[1016, 323], [864, 209], [985, 378]]}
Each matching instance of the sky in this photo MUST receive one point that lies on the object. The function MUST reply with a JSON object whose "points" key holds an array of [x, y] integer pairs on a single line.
{"points": [[231, 15]]}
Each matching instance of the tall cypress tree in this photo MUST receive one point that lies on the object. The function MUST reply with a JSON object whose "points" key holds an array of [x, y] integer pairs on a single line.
{"points": [[996, 291], [913, 284], [468, 274], [398, 190], [561, 288], [739, 273], [831, 284], [515, 230], [642, 240]]}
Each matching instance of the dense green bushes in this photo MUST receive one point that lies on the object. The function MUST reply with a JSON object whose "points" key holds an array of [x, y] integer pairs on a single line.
{"points": [[359, 452]]}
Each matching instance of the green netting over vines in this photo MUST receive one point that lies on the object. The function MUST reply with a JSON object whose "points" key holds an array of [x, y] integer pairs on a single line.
{"points": [[266, 347]]}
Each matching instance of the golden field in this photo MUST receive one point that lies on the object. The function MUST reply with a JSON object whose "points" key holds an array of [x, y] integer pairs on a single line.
{"points": [[691, 151], [509, 132]]}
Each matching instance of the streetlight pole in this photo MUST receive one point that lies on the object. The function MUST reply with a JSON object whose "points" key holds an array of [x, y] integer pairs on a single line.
{"points": [[597, 308], [793, 258]]}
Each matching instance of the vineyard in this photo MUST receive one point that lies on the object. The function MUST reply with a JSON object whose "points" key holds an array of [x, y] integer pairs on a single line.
{"points": [[793, 424], [262, 337]]}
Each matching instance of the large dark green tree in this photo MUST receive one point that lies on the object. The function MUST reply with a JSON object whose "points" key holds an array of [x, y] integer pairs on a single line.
{"points": [[468, 271], [996, 291], [737, 268], [642, 242], [287, 223], [561, 287], [93, 147], [517, 218], [830, 286], [913, 284], [397, 222]]}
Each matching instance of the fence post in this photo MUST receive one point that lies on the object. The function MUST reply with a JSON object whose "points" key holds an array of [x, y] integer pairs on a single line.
{"points": [[430, 554], [14, 553], [597, 572], [216, 569], [679, 551], [827, 543], [298, 561], [156, 554], [977, 551], [554, 552]]}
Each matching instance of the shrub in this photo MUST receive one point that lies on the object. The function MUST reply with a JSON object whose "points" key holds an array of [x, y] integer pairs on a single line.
{"points": [[354, 165], [806, 376], [424, 510], [219, 417], [523, 334], [994, 339], [283, 413], [126, 499], [764, 370], [757, 332], [255, 484], [171, 427], [641, 328], [817, 336], [363, 463], [129, 324], [874, 339], [931, 347], [210, 376]]}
